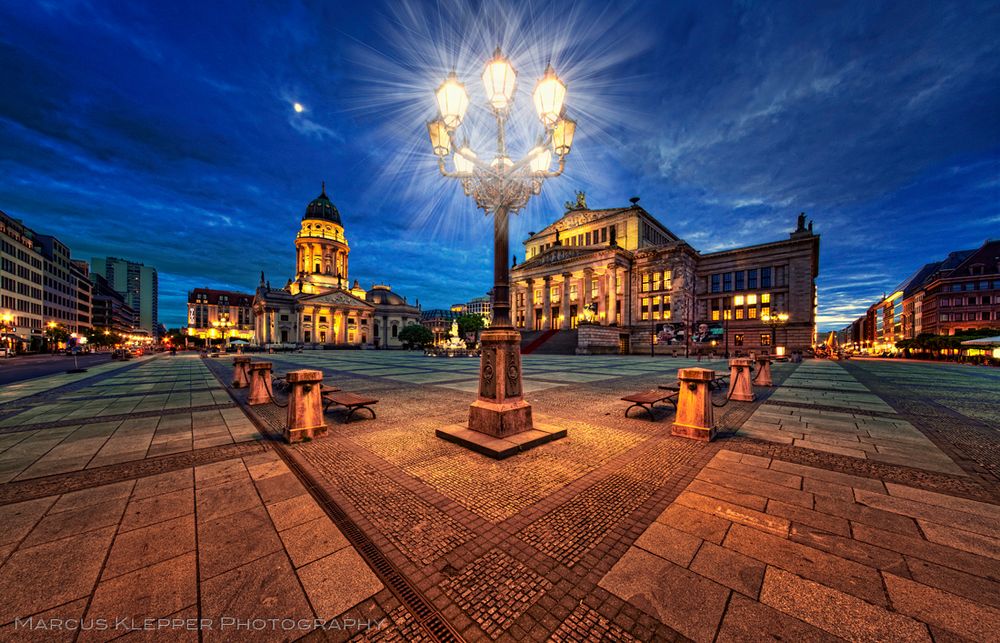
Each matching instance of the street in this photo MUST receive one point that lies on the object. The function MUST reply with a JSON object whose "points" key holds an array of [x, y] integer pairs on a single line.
{"points": [[16, 369]]}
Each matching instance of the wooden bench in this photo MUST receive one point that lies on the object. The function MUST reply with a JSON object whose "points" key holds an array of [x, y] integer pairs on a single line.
{"points": [[351, 401], [647, 400]]}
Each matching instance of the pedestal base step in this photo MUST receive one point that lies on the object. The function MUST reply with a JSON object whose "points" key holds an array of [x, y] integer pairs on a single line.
{"points": [[500, 448]]}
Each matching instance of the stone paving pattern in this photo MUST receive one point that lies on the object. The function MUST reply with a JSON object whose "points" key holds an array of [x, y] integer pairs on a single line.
{"points": [[827, 510]]}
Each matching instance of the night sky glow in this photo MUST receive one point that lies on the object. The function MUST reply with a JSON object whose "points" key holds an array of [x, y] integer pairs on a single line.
{"points": [[190, 136]]}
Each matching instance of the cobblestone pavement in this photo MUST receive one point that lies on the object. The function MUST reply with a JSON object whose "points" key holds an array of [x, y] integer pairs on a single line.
{"points": [[617, 532]]}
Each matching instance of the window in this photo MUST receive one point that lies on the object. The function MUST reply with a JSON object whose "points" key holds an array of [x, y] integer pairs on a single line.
{"points": [[645, 282], [738, 338], [322, 320], [604, 234], [765, 310], [751, 300], [765, 298], [752, 312], [727, 282], [667, 280], [395, 329], [656, 280], [284, 318], [644, 304], [304, 317], [739, 280], [765, 277], [715, 283], [739, 313], [765, 339], [752, 279], [738, 300]]}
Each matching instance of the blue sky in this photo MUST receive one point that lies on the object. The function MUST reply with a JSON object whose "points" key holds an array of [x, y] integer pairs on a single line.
{"points": [[165, 132]]}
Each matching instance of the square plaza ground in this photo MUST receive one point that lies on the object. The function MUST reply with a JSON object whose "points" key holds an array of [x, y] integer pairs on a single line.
{"points": [[854, 500]]}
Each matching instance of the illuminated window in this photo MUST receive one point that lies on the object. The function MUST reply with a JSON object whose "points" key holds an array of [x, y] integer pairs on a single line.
{"points": [[645, 302], [666, 314], [739, 313], [645, 282], [765, 340], [727, 314], [667, 279], [765, 310], [656, 281], [751, 300], [572, 292], [715, 315], [751, 313], [738, 300], [765, 298], [738, 339]]}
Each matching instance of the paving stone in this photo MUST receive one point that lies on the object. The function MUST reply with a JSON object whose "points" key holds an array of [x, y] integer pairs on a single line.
{"points": [[667, 542], [867, 516], [770, 476], [734, 513], [689, 603], [975, 588], [941, 515], [697, 523], [840, 614], [266, 588], [151, 592], [93, 496], [748, 620], [947, 611], [847, 547], [961, 539], [824, 475], [20, 518], [141, 512], [68, 523], [294, 511], [226, 498], [235, 539], [931, 552], [798, 514], [756, 487], [748, 500], [279, 487], [59, 572], [585, 624], [149, 545], [942, 500], [845, 575], [312, 540], [163, 483], [338, 582], [729, 568]]}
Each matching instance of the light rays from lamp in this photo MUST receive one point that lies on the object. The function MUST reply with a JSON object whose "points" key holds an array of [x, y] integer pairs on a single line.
{"points": [[419, 43]]}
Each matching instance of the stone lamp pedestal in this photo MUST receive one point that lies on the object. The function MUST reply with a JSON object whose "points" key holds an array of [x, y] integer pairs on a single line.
{"points": [[695, 417], [740, 386], [500, 421], [305, 406]]}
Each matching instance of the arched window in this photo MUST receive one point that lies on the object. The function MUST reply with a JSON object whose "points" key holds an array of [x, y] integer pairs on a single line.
{"points": [[318, 268], [376, 329], [395, 329]]}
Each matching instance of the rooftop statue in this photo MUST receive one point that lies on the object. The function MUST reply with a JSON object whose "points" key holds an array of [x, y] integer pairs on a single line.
{"points": [[581, 202]]}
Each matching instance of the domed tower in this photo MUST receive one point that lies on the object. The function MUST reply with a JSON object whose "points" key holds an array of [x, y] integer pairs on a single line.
{"points": [[320, 249]]}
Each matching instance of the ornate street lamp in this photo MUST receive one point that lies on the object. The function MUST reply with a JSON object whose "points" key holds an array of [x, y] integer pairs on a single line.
{"points": [[778, 319], [501, 186], [224, 324], [7, 328]]}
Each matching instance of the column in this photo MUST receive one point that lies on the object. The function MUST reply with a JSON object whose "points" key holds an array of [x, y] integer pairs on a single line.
{"points": [[602, 300], [529, 307], [547, 303], [564, 307], [612, 293], [588, 278], [315, 328]]}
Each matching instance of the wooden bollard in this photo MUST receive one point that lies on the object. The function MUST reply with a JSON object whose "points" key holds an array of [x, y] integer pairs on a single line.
{"points": [[695, 416], [260, 383], [305, 406], [241, 372], [764, 371], [740, 386]]}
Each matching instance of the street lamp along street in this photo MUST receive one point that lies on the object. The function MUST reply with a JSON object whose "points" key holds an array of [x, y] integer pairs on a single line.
{"points": [[501, 186]]}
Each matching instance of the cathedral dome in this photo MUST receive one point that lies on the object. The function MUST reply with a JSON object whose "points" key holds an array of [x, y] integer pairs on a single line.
{"points": [[321, 208], [380, 294]]}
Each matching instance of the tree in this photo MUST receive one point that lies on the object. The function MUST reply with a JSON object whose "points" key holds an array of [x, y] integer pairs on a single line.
{"points": [[56, 333], [471, 323], [416, 335]]}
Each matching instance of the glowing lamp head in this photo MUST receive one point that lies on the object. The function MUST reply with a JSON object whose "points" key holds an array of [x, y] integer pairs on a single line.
{"points": [[440, 139], [765, 318], [541, 159], [783, 317], [550, 92], [562, 136], [499, 78], [452, 101], [464, 163], [7, 318]]}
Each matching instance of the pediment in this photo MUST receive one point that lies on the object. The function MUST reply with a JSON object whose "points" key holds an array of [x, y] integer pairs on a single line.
{"points": [[335, 298]]}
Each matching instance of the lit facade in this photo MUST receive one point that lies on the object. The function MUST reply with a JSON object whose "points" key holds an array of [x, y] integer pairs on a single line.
{"points": [[320, 306], [638, 276], [220, 315]]}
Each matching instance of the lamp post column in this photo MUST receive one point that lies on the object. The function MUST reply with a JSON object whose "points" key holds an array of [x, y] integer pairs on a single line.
{"points": [[500, 410]]}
